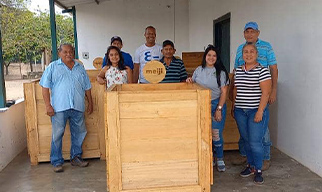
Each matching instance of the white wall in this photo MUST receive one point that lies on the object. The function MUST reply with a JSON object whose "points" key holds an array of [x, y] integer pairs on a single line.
{"points": [[13, 137], [294, 29], [96, 24]]}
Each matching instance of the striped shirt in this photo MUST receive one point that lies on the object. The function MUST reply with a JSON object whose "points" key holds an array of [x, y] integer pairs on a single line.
{"points": [[176, 72], [248, 89]]}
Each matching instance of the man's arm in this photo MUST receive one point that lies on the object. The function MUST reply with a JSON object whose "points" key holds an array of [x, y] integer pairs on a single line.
{"points": [[136, 72], [88, 94], [274, 73], [46, 96]]}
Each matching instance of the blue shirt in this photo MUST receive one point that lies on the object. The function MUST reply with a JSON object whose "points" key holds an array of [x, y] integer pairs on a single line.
{"points": [[67, 86], [266, 55], [127, 60]]}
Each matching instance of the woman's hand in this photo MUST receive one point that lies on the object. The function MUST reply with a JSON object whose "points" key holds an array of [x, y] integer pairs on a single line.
{"points": [[101, 80], [218, 116], [189, 80], [258, 116]]}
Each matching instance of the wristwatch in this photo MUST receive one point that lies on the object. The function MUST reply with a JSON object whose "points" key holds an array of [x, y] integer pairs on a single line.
{"points": [[219, 108]]}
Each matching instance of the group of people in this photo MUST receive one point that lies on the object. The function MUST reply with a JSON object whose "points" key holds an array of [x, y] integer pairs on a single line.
{"points": [[118, 66], [251, 90]]}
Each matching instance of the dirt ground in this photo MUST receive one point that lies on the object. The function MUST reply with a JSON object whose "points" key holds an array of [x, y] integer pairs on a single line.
{"points": [[14, 81]]}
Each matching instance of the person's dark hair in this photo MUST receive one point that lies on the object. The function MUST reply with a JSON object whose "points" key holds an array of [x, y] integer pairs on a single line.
{"points": [[121, 65], [218, 65], [65, 44], [149, 27], [167, 42]]}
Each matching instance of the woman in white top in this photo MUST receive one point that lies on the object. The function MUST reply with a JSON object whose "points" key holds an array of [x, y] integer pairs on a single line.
{"points": [[115, 72], [213, 75]]}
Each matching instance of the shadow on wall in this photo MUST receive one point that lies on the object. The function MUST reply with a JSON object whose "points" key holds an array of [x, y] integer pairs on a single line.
{"points": [[13, 137], [273, 121]]}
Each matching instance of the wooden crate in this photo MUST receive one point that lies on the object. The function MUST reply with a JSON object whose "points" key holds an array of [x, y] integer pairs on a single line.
{"points": [[158, 138], [191, 61], [38, 124]]}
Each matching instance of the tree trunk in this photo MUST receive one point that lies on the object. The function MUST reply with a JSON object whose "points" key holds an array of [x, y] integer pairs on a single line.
{"points": [[31, 68], [7, 68]]}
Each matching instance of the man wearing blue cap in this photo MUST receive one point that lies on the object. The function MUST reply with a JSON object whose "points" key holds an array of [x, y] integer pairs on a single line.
{"points": [[117, 42], [266, 57]]}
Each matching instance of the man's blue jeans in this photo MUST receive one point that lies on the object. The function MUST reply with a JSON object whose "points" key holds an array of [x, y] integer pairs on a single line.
{"points": [[266, 144], [77, 131], [217, 129], [253, 134]]}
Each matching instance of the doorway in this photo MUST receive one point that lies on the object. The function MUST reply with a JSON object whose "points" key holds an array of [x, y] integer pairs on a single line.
{"points": [[221, 36]]}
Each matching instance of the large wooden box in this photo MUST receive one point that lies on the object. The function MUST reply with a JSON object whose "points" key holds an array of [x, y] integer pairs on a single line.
{"points": [[38, 124], [158, 138]]}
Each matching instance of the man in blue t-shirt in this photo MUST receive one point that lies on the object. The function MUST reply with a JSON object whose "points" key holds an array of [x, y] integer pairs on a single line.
{"points": [[117, 42], [266, 57]]}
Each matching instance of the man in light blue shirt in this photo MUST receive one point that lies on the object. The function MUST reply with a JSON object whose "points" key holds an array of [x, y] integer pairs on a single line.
{"points": [[266, 57], [68, 83]]}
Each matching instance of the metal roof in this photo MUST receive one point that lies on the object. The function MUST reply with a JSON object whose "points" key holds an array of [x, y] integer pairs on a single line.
{"points": [[65, 4]]}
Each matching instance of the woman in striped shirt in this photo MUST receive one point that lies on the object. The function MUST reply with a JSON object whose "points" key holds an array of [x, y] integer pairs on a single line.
{"points": [[213, 75], [251, 92]]}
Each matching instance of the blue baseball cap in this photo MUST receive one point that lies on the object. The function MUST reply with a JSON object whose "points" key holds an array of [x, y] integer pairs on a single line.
{"points": [[251, 25]]}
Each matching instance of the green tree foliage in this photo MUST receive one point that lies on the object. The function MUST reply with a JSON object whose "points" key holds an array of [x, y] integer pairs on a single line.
{"points": [[25, 34]]}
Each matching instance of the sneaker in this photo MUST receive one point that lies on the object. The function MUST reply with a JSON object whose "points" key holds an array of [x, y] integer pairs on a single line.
{"points": [[221, 165], [266, 165], [58, 168], [248, 171], [78, 161], [240, 160], [258, 179]]}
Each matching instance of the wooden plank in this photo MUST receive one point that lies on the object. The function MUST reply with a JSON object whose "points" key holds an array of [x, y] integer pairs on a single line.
{"points": [[156, 96], [147, 140], [140, 175], [156, 87], [31, 121], [203, 138], [100, 117], [189, 188], [192, 59], [106, 140], [45, 157], [114, 161], [158, 109]]}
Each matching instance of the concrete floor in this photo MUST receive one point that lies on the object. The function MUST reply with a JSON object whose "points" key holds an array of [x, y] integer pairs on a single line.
{"points": [[285, 174]]}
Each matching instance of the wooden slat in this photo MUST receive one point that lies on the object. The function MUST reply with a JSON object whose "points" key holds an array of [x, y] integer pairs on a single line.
{"points": [[180, 95], [147, 140], [45, 157], [101, 118], [158, 109], [159, 174], [156, 87], [188, 188], [192, 59], [203, 138], [114, 163], [31, 122]]}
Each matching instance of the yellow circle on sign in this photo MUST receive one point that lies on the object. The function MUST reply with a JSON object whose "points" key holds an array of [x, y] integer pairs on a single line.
{"points": [[154, 71]]}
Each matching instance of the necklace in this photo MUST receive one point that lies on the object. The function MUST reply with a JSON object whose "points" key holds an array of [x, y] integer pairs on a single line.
{"points": [[252, 67]]}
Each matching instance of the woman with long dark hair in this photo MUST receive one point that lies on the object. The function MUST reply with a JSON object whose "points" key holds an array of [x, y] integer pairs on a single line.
{"points": [[115, 72], [213, 75]]}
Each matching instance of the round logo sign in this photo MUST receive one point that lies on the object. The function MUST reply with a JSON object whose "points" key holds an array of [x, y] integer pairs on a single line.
{"points": [[154, 71]]}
